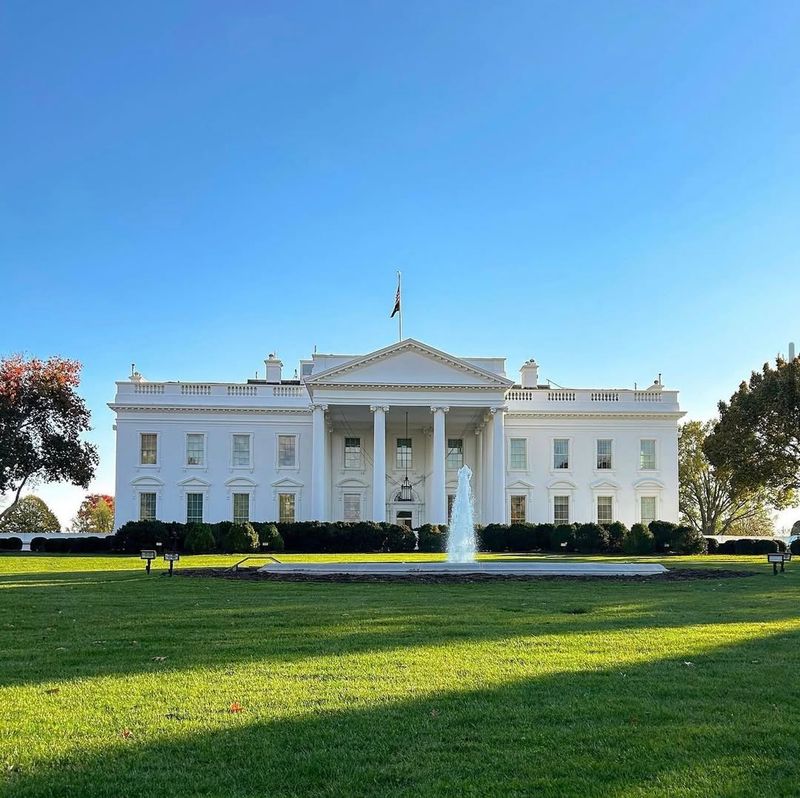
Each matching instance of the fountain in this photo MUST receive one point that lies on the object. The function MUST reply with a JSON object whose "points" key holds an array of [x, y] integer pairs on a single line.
{"points": [[461, 546]]}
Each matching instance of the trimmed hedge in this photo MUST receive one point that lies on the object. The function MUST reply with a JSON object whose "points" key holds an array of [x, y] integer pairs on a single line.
{"points": [[751, 546], [712, 546], [241, 539], [199, 539], [795, 547], [639, 540], [432, 538], [10, 544], [270, 538]]}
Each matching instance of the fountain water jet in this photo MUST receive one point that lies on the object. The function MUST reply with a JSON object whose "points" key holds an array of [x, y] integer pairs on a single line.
{"points": [[461, 546]]}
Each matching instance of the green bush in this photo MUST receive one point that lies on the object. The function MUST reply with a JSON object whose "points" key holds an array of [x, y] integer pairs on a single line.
{"points": [[543, 536], [563, 538], [664, 533], [493, 537], [199, 539], [398, 538], [241, 539], [795, 547], [590, 539], [712, 545], [522, 537], [639, 540], [756, 546], [616, 534], [11, 544], [270, 538], [431, 538], [137, 535], [687, 540]]}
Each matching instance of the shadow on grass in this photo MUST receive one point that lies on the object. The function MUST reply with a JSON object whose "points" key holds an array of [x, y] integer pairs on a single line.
{"points": [[110, 623], [659, 728]]}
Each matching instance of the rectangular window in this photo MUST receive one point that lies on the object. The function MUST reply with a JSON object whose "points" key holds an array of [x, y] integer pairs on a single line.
{"points": [[603, 454], [195, 449], [194, 508], [404, 458], [451, 499], [147, 506], [647, 455], [455, 453], [287, 451], [648, 509], [286, 508], [352, 507], [518, 507], [148, 448], [518, 454], [561, 453], [352, 453], [241, 451], [560, 509], [605, 510], [241, 508]]}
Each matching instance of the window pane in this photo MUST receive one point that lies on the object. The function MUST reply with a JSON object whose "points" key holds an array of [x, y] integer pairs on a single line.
{"points": [[561, 453], [286, 450], [603, 454], [561, 509], [518, 454], [352, 453], [647, 459], [404, 458], [352, 507], [194, 508], [648, 509], [241, 508], [605, 512], [455, 453], [147, 506], [518, 515], [286, 508], [195, 444], [241, 450], [149, 448]]}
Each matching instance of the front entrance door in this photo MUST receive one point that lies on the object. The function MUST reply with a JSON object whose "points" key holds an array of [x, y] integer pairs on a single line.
{"points": [[405, 518]]}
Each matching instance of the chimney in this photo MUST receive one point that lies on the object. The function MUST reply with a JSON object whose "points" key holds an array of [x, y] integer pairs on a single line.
{"points": [[529, 374], [274, 366], [791, 350]]}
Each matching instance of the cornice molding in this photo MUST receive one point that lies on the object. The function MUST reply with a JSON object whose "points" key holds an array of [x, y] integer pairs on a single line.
{"points": [[629, 416], [301, 411]]}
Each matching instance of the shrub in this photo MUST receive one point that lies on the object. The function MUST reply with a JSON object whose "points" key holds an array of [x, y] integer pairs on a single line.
{"points": [[755, 546], [270, 538], [241, 539], [522, 537], [431, 538], [137, 535], [199, 539], [616, 534], [12, 544], [590, 539], [687, 540], [38, 544], [398, 538], [639, 540], [493, 537], [563, 534], [795, 547], [222, 529], [712, 545], [544, 534], [664, 533]]}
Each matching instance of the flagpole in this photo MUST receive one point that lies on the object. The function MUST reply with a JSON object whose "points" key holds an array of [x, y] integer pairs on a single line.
{"points": [[400, 314]]}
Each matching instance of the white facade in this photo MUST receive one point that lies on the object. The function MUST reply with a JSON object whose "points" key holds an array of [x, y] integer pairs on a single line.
{"points": [[333, 444]]}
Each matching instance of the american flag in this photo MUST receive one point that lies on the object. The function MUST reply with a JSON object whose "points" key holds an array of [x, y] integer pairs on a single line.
{"points": [[396, 308]]}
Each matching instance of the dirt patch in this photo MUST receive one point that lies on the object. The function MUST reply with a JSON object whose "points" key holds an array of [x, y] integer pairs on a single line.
{"points": [[254, 575]]}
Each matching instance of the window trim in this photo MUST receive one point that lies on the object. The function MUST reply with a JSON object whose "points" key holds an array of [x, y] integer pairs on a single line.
{"points": [[570, 452], [201, 466], [656, 505], [351, 495], [295, 466], [656, 454], [249, 466], [239, 492], [510, 466], [397, 466], [286, 492], [361, 458], [613, 456], [447, 465], [524, 497], [148, 492], [562, 495], [157, 463], [597, 497], [186, 496]]}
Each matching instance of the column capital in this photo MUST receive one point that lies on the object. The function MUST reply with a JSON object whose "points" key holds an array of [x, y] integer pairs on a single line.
{"points": [[494, 410], [443, 408], [374, 408], [317, 406]]}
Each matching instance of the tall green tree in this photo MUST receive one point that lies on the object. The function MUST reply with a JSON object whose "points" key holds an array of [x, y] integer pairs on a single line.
{"points": [[708, 500], [42, 418], [757, 438], [96, 514], [29, 514]]}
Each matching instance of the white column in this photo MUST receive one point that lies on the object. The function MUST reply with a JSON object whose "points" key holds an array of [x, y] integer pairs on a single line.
{"points": [[438, 509], [486, 482], [319, 435], [477, 478], [498, 465], [378, 462]]}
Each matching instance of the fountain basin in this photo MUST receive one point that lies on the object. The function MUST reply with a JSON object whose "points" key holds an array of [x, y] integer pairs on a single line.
{"points": [[483, 567]]}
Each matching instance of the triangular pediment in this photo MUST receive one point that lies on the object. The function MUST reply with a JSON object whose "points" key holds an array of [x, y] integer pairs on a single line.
{"points": [[409, 363]]}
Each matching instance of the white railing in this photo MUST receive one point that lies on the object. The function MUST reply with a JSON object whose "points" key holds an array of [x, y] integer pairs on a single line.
{"points": [[647, 396], [242, 390], [560, 396], [589, 399], [193, 389], [288, 390], [517, 395], [148, 387], [604, 396]]}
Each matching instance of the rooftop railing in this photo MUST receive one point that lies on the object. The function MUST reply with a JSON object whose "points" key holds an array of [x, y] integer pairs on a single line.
{"points": [[209, 392], [587, 398]]}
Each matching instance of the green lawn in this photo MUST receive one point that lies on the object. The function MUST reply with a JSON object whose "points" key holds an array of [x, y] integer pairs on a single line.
{"points": [[113, 683]]}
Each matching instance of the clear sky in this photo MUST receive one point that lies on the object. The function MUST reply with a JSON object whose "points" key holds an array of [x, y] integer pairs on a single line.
{"points": [[612, 188]]}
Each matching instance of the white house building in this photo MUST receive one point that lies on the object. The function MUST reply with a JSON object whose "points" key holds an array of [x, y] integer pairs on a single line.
{"points": [[381, 437]]}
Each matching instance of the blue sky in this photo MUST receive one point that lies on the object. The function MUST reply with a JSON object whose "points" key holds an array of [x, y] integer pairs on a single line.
{"points": [[610, 187]]}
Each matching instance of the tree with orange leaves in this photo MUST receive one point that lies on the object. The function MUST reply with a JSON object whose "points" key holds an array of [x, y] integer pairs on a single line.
{"points": [[42, 419]]}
